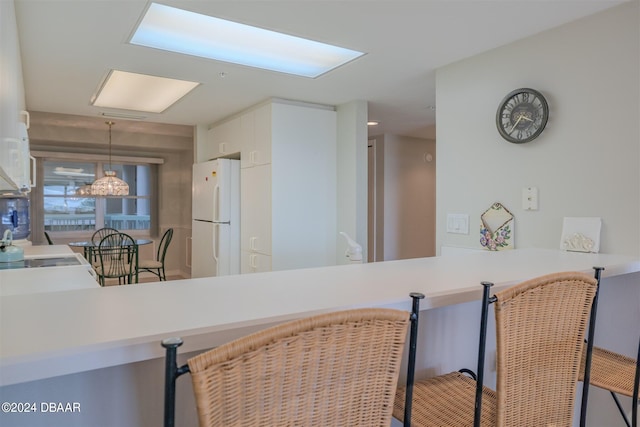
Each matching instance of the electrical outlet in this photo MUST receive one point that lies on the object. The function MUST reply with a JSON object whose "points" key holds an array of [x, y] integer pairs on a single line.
{"points": [[530, 198]]}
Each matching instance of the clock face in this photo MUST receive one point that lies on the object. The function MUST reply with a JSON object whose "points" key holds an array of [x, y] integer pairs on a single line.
{"points": [[522, 115]]}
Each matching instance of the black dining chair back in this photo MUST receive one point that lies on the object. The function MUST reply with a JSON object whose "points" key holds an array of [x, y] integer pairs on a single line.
{"points": [[118, 256], [100, 234], [46, 235], [96, 238], [156, 266]]}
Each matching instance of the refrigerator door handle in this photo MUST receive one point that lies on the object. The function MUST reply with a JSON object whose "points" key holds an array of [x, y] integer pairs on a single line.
{"points": [[216, 243], [216, 203]]}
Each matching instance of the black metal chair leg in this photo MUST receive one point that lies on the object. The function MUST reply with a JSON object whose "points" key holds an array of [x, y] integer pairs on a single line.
{"points": [[172, 372], [411, 368], [587, 364], [486, 300], [636, 391], [620, 408]]}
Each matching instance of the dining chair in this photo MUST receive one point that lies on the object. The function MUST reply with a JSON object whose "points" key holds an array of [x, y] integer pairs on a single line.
{"points": [[118, 255], [540, 328], [46, 235], [156, 266], [96, 238], [338, 368]]}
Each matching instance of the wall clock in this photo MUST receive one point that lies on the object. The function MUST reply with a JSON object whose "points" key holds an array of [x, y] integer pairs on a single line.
{"points": [[522, 115]]}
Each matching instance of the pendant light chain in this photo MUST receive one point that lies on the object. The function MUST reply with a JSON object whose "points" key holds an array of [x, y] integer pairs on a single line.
{"points": [[110, 123], [109, 184]]}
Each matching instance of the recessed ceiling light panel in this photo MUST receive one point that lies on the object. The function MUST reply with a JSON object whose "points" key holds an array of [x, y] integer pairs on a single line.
{"points": [[168, 28], [140, 92]]}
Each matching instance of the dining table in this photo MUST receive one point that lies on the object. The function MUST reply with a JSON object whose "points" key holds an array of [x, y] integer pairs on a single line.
{"points": [[89, 247]]}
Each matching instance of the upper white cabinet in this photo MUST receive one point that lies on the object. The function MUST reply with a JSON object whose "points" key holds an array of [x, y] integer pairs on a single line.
{"points": [[256, 137], [15, 162], [224, 139], [15, 168]]}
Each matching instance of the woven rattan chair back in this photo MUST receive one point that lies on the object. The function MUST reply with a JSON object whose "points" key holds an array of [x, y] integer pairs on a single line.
{"points": [[540, 329], [332, 369]]}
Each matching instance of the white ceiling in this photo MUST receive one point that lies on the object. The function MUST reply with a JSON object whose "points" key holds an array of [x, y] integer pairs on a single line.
{"points": [[69, 46]]}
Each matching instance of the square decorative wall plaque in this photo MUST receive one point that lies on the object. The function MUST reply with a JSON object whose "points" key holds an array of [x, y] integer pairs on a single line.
{"points": [[496, 228]]}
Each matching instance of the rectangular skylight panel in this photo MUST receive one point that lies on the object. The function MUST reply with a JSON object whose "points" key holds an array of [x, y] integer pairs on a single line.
{"points": [[141, 92], [168, 28]]}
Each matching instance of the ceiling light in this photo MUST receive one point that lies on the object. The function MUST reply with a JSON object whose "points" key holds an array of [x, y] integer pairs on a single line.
{"points": [[122, 116], [70, 172], [140, 92], [372, 123], [176, 30], [109, 184]]}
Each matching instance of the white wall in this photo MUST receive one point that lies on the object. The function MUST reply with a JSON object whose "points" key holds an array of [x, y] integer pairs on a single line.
{"points": [[585, 163], [351, 164], [406, 183], [303, 186]]}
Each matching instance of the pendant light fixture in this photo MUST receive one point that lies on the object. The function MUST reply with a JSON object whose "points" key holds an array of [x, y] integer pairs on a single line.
{"points": [[84, 190], [109, 184]]}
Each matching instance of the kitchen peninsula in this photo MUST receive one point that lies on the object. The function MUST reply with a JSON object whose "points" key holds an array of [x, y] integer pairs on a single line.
{"points": [[74, 332], [46, 268]]}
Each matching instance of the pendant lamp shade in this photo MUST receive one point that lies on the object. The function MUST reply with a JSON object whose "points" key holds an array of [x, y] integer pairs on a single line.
{"points": [[109, 184], [85, 190]]}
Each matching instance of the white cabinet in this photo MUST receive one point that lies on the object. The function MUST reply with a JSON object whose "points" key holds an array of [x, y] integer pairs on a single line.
{"points": [[15, 162], [288, 181], [14, 153], [256, 137], [255, 263], [255, 209], [224, 139]]}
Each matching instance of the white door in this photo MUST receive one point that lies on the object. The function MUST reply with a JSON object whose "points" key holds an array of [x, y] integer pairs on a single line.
{"points": [[211, 253], [226, 138], [255, 209], [203, 263], [255, 263], [212, 190], [205, 181]]}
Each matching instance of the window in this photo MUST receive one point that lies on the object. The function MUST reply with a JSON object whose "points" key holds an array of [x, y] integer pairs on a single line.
{"points": [[68, 208]]}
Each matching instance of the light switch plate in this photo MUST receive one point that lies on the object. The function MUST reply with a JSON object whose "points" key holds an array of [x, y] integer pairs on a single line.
{"points": [[458, 223]]}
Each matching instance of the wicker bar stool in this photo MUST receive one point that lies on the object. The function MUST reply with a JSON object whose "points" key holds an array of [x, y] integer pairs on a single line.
{"points": [[540, 329], [332, 369]]}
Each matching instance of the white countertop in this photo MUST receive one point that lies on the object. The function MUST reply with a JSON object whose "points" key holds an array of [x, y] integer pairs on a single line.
{"points": [[94, 328], [47, 251], [47, 279]]}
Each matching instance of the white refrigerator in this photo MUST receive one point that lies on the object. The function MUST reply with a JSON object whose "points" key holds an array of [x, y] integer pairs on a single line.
{"points": [[215, 227]]}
